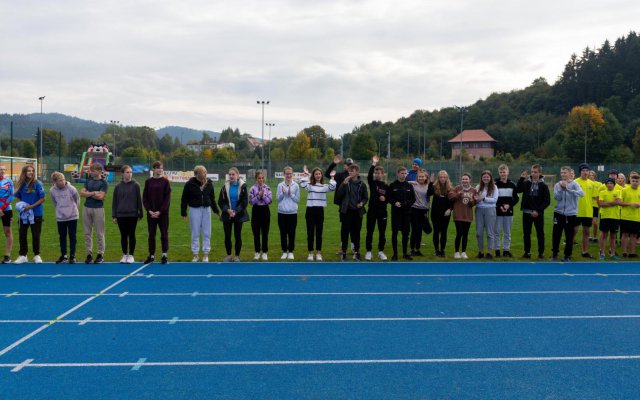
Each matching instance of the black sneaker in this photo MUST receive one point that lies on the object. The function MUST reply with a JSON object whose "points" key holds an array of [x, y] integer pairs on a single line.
{"points": [[488, 256], [497, 253], [633, 255], [150, 259], [541, 256], [407, 257], [72, 260], [587, 255], [89, 259], [567, 259], [417, 253], [527, 255], [394, 257], [480, 255], [507, 253], [356, 257], [6, 260], [343, 256], [99, 259], [62, 260], [164, 259]]}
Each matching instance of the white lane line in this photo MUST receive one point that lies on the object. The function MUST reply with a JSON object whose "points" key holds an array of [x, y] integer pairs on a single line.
{"points": [[11, 294], [56, 276], [84, 321], [194, 294], [173, 321], [61, 316], [138, 364], [329, 275], [150, 276], [123, 294], [22, 365], [142, 362]]}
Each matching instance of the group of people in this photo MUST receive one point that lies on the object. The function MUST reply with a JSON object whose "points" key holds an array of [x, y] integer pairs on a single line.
{"points": [[419, 204]]}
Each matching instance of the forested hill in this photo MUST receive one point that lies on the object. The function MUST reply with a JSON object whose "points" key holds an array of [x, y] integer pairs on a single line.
{"points": [[26, 125], [533, 120]]}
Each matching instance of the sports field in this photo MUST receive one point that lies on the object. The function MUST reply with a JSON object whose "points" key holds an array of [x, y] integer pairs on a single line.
{"points": [[329, 331], [180, 237]]}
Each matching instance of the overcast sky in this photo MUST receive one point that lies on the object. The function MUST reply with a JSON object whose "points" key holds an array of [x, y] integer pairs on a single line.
{"points": [[204, 63]]}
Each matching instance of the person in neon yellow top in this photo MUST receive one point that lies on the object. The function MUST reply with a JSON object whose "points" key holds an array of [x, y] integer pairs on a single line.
{"points": [[593, 177], [609, 200], [585, 207], [630, 215]]}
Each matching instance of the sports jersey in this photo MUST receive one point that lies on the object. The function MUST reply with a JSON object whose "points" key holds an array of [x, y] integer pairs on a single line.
{"points": [[585, 203], [599, 186], [609, 196], [630, 195], [6, 194]]}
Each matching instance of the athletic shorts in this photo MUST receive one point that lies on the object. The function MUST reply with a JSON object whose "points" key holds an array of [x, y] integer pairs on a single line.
{"points": [[629, 227], [584, 221], [595, 212], [7, 217], [609, 225]]}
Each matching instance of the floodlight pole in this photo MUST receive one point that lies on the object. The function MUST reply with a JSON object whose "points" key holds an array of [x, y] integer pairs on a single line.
{"points": [[262, 103]]}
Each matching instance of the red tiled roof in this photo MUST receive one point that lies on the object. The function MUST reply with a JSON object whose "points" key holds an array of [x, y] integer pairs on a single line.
{"points": [[473, 135]]}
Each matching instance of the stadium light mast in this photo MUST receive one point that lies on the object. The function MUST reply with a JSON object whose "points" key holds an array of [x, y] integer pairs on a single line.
{"points": [[41, 98], [114, 123], [262, 103], [269, 124]]}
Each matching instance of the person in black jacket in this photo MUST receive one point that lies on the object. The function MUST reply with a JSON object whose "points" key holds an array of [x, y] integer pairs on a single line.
{"points": [[507, 199], [126, 211], [441, 209], [535, 199], [233, 200], [198, 194], [352, 196], [401, 197], [377, 209], [338, 177]]}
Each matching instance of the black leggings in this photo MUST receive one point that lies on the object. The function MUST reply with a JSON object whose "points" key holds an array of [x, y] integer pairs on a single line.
{"points": [[127, 226], [68, 228], [287, 224], [351, 226], [260, 222], [462, 233], [381, 220], [36, 229], [161, 222], [315, 222], [237, 235], [440, 227], [419, 221], [400, 223]]}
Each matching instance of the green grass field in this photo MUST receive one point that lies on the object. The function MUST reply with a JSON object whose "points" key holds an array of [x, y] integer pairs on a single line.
{"points": [[179, 236]]}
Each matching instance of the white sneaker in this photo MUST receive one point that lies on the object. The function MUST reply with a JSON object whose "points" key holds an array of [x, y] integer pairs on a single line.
{"points": [[464, 255], [382, 256], [21, 260], [284, 256], [256, 257], [205, 257], [353, 249], [37, 259], [195, 258], [310, 257], [318, 257], [265, 257], [124, 259], [367, 256], [130, 259], [290, 256], [457, 255]]}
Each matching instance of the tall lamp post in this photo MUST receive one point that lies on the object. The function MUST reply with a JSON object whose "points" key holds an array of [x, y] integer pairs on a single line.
{"points": [[462, 110], [269, 124], [388, 145], [114, 123], [41, 98], [262, 103]]}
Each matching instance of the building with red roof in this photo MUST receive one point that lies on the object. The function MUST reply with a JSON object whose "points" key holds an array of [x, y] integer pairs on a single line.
{"points": [[476, 142]]}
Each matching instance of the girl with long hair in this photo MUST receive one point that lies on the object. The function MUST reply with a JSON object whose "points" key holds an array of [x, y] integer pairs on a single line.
{"points": [[486, 200], [441, 208], [260, 198], [316, 203], [233, 202], [30, 195]]}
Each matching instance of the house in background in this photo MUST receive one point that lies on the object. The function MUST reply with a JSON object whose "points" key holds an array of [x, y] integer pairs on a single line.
{"points": [[476, 142]]}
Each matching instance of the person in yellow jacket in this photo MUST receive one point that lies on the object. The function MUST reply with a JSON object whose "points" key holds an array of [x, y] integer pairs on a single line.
{"points": [[585, 207], [609, 200]]}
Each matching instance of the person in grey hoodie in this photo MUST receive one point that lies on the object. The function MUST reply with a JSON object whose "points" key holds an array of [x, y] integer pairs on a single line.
{"points": [[66, 200], [566, 192], [126, 211]]}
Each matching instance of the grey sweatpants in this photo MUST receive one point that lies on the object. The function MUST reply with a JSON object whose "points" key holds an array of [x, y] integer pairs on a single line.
{"points": [[200, 223], [503, 224], [485, 221], [93, 217]]}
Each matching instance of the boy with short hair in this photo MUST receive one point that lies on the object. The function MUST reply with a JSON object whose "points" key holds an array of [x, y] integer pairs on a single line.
{"points": [[377, 213], [507, 199], [585, 207], [94, 191], [352, 195], [156, 198], [630, 215], [566, 192], [535, 199], [401, 197], [608, 202], [66, 200]]}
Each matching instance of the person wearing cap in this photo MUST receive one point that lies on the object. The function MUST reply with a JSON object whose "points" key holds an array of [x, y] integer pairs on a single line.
{"points": [[412, 175], [609, 200], [585, 207]]}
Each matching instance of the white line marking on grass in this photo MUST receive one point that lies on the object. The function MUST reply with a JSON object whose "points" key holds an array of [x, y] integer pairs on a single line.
{"points": [[142, 361], [22, 365], [138, 364], [61, 316], [84, 321]]}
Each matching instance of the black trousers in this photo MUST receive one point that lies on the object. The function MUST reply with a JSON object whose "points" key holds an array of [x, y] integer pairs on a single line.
{"points": [[400, 223], [527, 222], [227, 226], [462, 234], [440, 227], [380, 219], [419, 222], [315, 222], [127, 226], [68, 228], [287, 224], [351, 226], [161, 222], [36, 229], [260, 223], [566, 224]]}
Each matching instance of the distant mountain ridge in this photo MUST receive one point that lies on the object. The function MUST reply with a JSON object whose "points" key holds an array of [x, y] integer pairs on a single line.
{"points": [[26, 125]]}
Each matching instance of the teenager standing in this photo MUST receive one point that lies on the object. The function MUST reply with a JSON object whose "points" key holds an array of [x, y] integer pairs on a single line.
{"points": [[65, 199], [314, 215], [260, 198], [441, 212], [233, 201], [464, 198], [377, 213], [401, 197], [423, 190], [94, 191], [288, 195], [30, 193], [535, 199], [7, 193], [156, 198], [352, 195], [507, 199], [126, 211], [486, 200], [566, 192]]}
